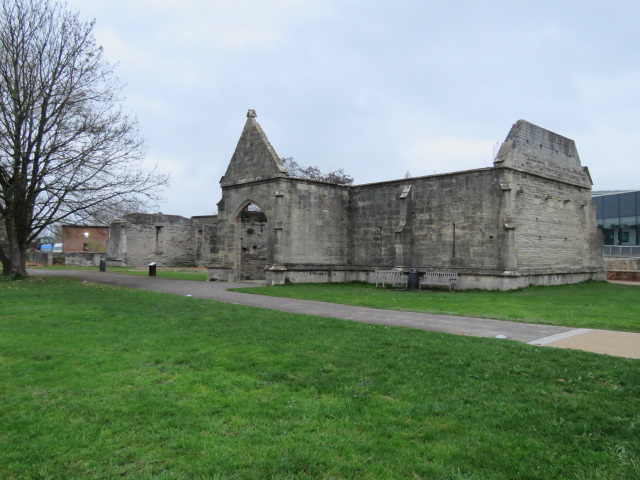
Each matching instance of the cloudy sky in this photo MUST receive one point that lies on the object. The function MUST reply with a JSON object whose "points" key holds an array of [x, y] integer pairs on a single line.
{"points": [[376, 87]]}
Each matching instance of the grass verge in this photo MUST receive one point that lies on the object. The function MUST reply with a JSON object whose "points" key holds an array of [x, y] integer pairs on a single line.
{"points": [[587, 305], [161, 272], [102, 382]]}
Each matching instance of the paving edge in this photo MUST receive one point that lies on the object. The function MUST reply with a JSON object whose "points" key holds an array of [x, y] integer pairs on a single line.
{"points": [[559, 336]]}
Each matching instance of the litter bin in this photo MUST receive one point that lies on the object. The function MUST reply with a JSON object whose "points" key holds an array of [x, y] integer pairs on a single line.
{"points": [[103, 265], [152, 269], [414, 279]]}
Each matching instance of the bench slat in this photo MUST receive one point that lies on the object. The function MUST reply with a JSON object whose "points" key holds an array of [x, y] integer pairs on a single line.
{"points": [[392, 277]]}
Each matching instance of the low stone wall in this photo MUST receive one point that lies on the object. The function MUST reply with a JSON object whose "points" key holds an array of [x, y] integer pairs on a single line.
{"points": [[318, 275], [513, 282], [281, 274], [41, 258], [630, 276], [619, 268], [83, 259], [622, 264]]}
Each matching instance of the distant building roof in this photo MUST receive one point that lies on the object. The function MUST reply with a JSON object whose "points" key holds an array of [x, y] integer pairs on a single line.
{"points": [[71, 225], [602, 193]]}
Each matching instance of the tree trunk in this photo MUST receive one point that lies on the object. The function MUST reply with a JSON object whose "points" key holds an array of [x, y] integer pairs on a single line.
{"points": [[14, 254], [17, 262], [6, 263]]}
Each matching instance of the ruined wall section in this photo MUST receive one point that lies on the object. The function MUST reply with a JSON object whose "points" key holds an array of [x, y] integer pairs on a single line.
{"points": [[165, 239], [533, 149], [439, 222], [204, 229], [225, 252], [117, 243], [306, 225], [316, 223], [554, 227], [552, 216], [204, 236]]}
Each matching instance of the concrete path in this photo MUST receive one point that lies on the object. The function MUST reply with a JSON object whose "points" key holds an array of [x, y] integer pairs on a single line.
{"points": [[599, 341]]}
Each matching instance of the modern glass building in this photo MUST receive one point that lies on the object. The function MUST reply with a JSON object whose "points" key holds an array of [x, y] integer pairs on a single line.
{"points": [[618, 215]]}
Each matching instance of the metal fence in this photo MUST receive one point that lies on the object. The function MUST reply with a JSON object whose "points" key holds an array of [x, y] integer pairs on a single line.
{"points": [[622, 250]]}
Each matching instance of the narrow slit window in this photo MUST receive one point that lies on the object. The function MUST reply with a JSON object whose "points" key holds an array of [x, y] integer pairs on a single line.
{"points": [[158, 239]]}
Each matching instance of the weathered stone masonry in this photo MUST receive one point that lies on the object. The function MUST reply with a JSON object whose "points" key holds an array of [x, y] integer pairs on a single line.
{"points": [[527, 220], [138, 239]]}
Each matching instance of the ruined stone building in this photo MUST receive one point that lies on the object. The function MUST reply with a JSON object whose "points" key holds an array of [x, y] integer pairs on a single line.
{"points": [[137, 239], [528, 220]]}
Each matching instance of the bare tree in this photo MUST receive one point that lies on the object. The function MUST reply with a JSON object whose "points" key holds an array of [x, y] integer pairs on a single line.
{"points": [[107, 211], [313, 173], [66, 147]]}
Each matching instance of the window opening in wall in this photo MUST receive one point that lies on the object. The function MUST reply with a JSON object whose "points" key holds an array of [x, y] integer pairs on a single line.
{"points": [[199, 243], [253, 238], [85, 247], [453, 249], [158, 239]]}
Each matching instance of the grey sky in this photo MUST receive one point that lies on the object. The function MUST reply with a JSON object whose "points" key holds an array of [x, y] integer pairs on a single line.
{"points": [[378, 88]]}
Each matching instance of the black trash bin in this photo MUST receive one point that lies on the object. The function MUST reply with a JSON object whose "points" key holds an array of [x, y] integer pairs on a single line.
{"points": [[103, 265], [414, 279], [152, 269]]}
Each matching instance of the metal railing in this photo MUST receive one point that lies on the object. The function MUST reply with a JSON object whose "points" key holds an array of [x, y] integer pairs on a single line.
{"points": [[622, 250]]}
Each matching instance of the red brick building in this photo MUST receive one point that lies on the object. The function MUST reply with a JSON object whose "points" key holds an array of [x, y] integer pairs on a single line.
{"points": [[84, 238]]}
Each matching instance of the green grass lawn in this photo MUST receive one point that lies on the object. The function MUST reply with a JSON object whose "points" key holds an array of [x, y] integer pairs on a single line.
{"points": [[99, 382], [161, 272], [587, 305]]}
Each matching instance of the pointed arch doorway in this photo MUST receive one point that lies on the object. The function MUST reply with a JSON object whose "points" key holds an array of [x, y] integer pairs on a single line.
{"points": [[253, 242]]}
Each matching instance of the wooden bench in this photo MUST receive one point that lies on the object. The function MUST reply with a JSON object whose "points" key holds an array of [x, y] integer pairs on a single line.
{"points": [[447, 279], [391, 277]]}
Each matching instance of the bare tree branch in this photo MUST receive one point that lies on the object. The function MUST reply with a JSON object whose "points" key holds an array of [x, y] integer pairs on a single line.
{"points": [[67, 151]]}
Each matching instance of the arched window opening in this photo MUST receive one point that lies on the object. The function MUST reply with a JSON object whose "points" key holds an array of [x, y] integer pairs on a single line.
{"points": [[253, 243]]}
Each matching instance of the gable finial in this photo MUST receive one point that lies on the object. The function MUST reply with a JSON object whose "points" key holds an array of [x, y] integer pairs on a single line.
{"points": [[251, 113]]}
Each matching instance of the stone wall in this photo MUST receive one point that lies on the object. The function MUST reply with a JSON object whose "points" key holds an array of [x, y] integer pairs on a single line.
{"points": [[307, 223], [438, 222], [619, 268], [203, 236], [316, 217], [169, 240], [117, 244], [551, 221], [534, 149], [83, 259], [40, 258]]}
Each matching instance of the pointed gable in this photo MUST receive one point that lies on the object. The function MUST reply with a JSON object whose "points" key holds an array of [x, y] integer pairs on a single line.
{"points": [[254, 157]]}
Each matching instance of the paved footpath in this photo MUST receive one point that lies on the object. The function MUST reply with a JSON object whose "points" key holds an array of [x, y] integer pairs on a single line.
{"points": [[622, 344]]}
